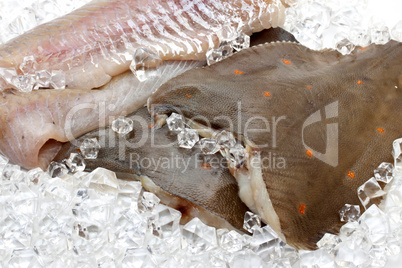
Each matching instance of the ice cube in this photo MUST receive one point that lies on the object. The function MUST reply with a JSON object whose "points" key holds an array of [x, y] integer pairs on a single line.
{"points": [[175, 122], [380, 35], [147, 201], [209, 146], [317, 258], [144, 64], [123, 126], [377, 224], [397, 153], [198, 237], [29, 65], [368, 191], [75, 163], [383, 172], [56, 169], [225, 139], [58, 79], [349, 212], [237, 156], [187, 138], [90, 148], [252, 222]]}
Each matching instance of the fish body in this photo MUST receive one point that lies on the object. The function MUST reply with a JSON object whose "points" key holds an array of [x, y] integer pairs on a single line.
{"points": [[96, 42], [196, 185], [329, 119], [34, 124]]}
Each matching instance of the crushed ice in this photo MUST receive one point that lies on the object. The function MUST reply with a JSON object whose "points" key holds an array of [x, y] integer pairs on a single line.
{"points": [[93, 219]]}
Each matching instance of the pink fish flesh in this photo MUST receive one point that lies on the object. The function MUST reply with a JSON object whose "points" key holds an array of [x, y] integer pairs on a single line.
{"points": [[95, 42]]}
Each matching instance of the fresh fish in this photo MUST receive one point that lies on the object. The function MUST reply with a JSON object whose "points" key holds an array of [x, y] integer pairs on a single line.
{"points": [[196, 185], [328, 121], [95, 42], [33, 125]]}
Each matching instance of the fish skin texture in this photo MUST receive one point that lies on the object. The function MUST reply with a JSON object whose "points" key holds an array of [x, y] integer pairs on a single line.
{"points": [[150, 154], [365, 87], [33, 124], [89, 44]]}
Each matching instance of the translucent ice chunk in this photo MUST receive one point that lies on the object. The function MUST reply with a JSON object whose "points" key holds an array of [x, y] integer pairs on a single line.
{"points": [[237, 155], [75, 163], [251, 222], [25, 82], [198, 237], [377, 224], [42, 79], [224, 50], [396, 31], [144, 64], [242, 41], [380, 35], [231, 241], [350, 255], [89, 148], [369, 191], [318, 258], [8, 74], [123, 125], [147, 201], [175, 122], [104, 180], [58, 79], [359, 36], [343, 45], [56, 169], [29, 65], [225, 139], [383, 172], [209, 146], [378, 256], [329, 242], [349, 212], [397, 153], [25, 21], [346, 16], [187, 138]]}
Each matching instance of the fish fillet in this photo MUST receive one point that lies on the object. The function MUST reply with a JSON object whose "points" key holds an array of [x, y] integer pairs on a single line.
{"points": [[33, 124], [328, 120], [93, 43]]}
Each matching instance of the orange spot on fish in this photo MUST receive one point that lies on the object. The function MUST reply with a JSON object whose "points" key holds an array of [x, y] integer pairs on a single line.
{"points": [[363, 48], [188, 96], [309, 153], [302, 209], [151, 126], [206, 166], [78, 150], [359, 82], [267, 94], [381, 130], [351, 174], [308, 87], [238, 72], [286, 62]]}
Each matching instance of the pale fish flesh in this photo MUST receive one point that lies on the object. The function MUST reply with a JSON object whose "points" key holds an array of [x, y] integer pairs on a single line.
{"points": [[33, 125], [96, 42]]}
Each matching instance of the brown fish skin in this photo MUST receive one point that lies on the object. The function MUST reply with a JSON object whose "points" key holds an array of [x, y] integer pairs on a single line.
{"points": [[286, 79], [182, 178]]}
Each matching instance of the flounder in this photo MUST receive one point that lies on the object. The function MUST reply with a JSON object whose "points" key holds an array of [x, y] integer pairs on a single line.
{"points": [[328, 119]]}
